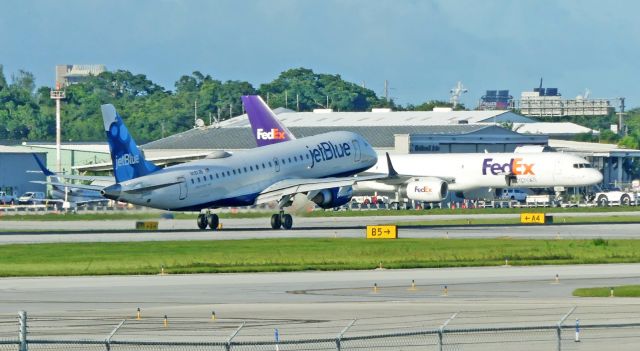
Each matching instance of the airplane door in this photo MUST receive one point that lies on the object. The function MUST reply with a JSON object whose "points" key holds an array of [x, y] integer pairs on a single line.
{"points": [[276, 164], [183, 188], [356, 150]]}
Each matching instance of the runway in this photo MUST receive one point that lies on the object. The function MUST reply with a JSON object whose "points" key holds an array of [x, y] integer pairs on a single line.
{"points": [[485, 296], [258, 228]]}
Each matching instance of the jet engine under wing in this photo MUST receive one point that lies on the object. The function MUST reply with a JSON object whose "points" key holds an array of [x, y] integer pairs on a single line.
{"points": [[290, 187]]}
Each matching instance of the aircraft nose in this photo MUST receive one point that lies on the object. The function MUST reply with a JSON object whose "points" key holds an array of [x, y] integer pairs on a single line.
{"points": [[596, 176], [112, 192]]}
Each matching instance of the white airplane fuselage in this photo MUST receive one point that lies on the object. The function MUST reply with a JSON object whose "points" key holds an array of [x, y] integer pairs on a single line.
{"points": [[490, 170], [238, 179]]}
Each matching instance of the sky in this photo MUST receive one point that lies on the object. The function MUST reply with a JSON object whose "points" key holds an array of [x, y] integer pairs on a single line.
{"points": [[423, 48]]}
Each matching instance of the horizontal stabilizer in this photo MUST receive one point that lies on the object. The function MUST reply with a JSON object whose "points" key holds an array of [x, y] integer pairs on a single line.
{"points": [[70, 185]]}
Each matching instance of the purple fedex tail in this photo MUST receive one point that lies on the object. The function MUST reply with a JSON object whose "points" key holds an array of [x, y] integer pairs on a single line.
{"points": [[266, 128]]}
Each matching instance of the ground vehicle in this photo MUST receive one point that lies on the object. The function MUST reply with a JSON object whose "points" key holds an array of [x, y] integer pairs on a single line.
{"points": [[6, 199], [512, 194], [614, 196], [31, 197]]}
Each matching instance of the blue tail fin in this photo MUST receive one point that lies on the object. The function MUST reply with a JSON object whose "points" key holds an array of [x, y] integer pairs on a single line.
{"points": [[266, 128], [128, 161], [43, 168], [47, 173]]}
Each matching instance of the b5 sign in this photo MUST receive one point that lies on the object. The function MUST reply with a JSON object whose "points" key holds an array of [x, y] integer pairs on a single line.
{"points": [[382, 232]]}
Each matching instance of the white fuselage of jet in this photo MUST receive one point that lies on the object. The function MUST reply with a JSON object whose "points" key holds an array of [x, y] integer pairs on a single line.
{"points": [[491, 170]]}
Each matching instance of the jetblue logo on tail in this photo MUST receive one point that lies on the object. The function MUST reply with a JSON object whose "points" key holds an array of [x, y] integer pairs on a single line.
{"points": [[273, 134], [127, 159]]}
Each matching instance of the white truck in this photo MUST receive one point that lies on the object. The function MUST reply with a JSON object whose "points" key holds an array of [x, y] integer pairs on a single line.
{"points": [[614, 197], [6, 199]]}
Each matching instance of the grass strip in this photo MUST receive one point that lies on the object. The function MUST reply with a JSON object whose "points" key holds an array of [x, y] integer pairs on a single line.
{"points": [[618, 291], [299, 254]]}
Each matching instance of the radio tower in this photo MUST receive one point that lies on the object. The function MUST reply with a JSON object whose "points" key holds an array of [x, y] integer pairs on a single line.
{"points": [[58, 95]]}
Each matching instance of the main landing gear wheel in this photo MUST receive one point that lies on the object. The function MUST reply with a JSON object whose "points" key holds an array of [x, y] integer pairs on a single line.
{"points": [[275, 221], [281, 220], [202, 221], [213, 221], [287, 221]]}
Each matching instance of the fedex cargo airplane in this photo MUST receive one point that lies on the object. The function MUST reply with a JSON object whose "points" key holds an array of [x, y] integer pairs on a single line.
{"points": [[429, 177], [321, 167], [433, 175]]}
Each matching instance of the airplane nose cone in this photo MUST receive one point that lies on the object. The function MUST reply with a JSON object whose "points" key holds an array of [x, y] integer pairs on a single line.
{"points": [[597, 177], [112, 192]]}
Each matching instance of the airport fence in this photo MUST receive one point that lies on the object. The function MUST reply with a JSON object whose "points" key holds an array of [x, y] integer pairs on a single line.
{"points": [[46, 335]]}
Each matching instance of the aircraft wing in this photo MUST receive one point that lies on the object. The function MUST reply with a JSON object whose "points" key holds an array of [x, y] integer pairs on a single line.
{"points": [[70, 185], [290, 187]]}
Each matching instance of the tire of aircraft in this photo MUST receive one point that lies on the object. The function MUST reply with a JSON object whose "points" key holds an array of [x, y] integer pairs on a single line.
{"points": [[603, 201], [202, 221], [625, 200], [287, 221], [213, 221], [275, 221]]}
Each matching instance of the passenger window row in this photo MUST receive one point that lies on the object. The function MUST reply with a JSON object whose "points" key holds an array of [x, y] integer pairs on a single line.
{"points": [[251, 168]]}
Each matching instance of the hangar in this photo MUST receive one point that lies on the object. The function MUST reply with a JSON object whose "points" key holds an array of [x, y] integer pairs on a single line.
{"points": [[14, 177]]}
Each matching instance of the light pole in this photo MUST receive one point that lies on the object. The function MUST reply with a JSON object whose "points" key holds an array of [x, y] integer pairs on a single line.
{"points": [[58, 95]]}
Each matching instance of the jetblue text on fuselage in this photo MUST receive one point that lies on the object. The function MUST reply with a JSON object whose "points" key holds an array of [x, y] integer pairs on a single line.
{"points": [[326, 151], [127, 159], [514, 166]]}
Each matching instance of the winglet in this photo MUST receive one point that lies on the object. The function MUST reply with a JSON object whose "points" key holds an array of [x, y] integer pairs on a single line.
{"points": [[43, 168], [392, 171], [266, 128]]}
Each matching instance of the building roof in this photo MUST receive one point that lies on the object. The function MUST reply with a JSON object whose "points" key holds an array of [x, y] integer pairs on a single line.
{"points": [[592, 149], [292, 119], [87, 147], [552, 128], [242, 138], [16, 150]]}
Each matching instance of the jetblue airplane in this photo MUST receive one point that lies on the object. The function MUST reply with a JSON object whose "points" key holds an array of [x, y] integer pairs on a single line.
{"points": [[321, 167], [68, 193], [430, 177]]}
